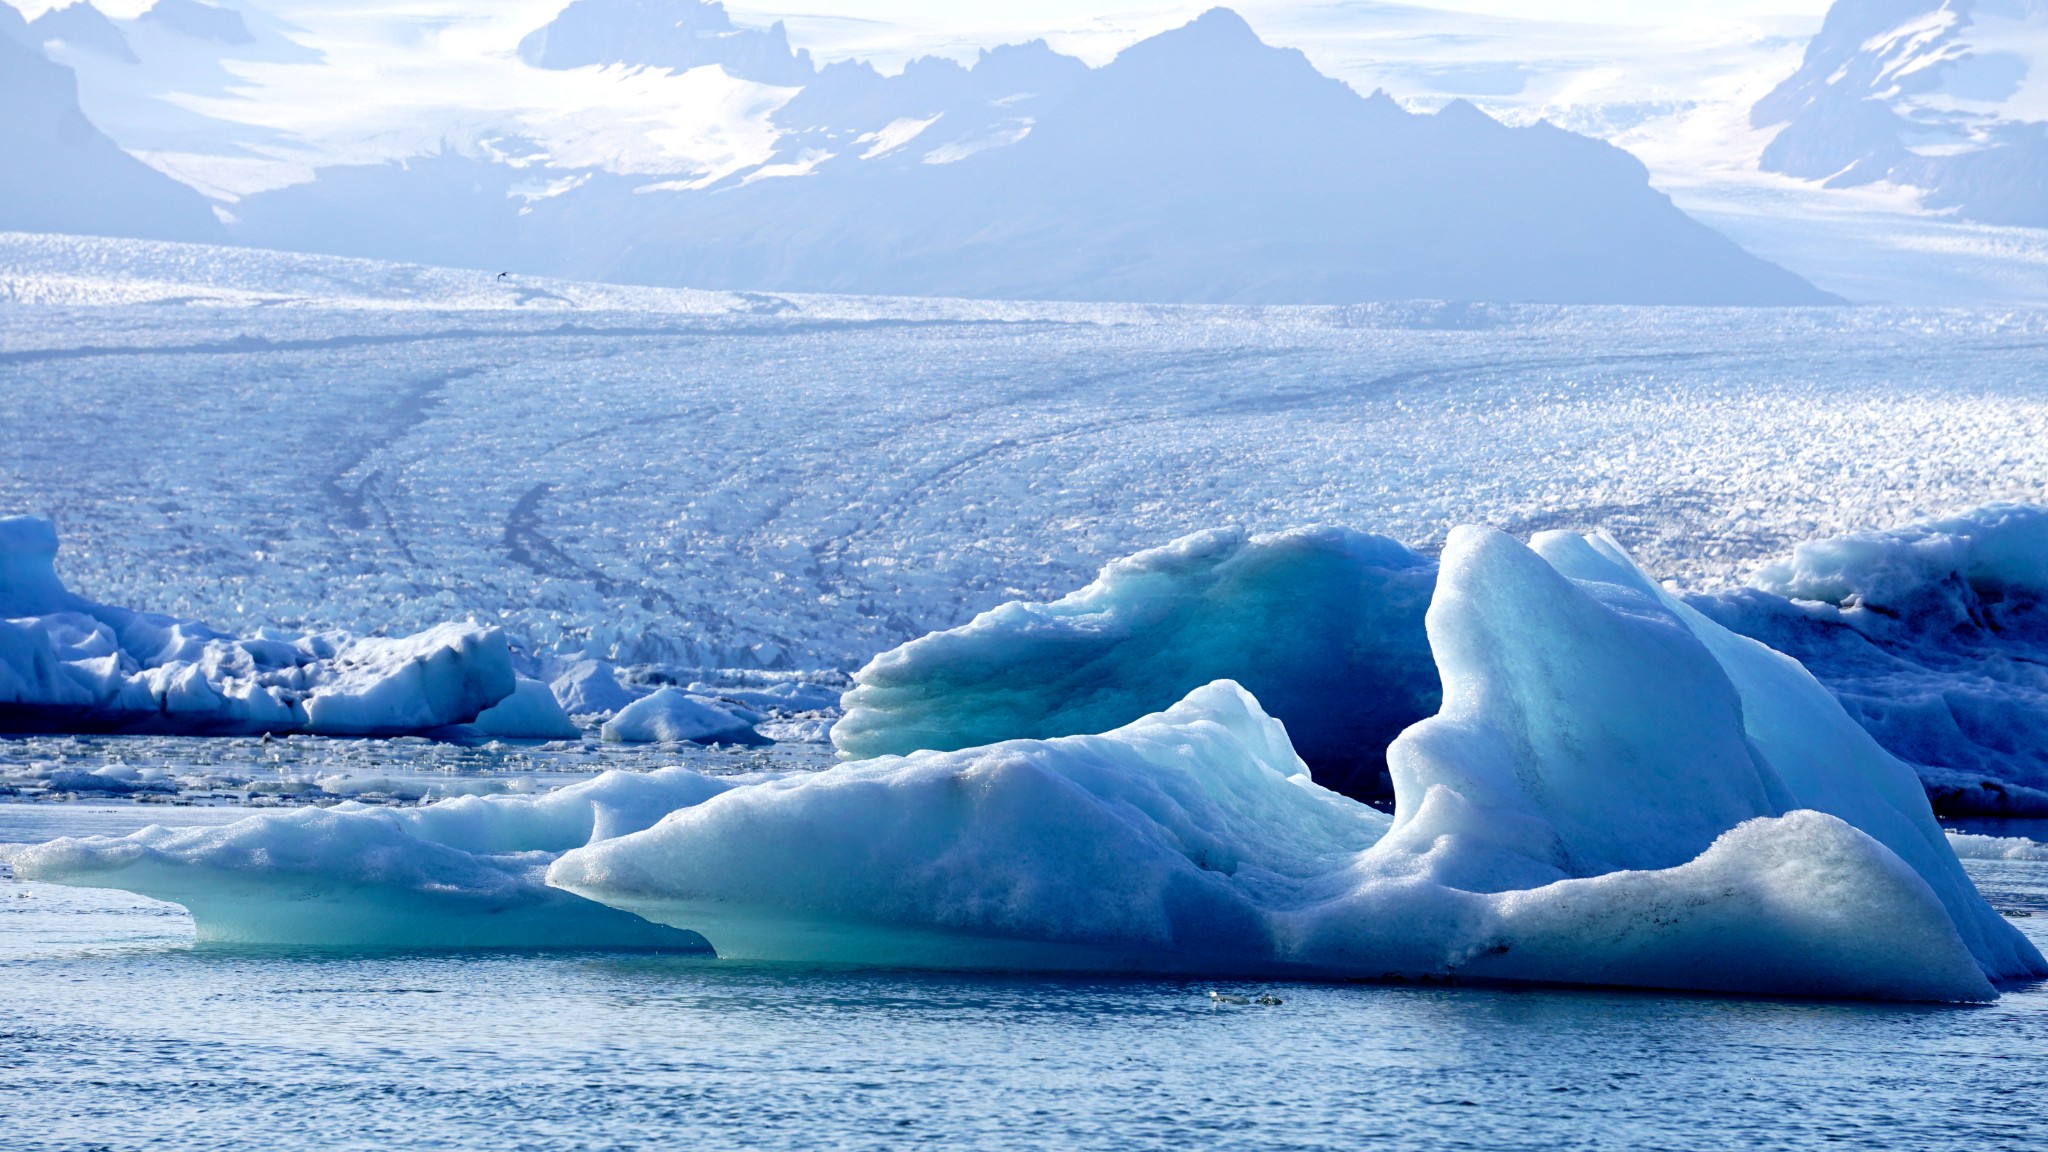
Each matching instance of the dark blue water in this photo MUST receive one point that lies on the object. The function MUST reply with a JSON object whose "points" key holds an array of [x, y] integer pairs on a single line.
{"points": [[115, 1033]]}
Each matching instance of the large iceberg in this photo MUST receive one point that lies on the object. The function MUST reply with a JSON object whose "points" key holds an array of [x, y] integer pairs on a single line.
{"points": [[68, 664], [1323, 625], [1934, 636], [1616, 791], [461, 873]]}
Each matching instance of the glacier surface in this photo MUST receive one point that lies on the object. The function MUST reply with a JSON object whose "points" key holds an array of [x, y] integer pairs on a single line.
{"points": [[68, 664]]}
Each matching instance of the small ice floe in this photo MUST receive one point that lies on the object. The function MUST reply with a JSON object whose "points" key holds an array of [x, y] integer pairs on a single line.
{"points": [[462, 873], [671, 715]]}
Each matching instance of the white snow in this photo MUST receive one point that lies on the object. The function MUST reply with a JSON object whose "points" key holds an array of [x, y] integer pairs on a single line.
{"points": [[462, 873]]}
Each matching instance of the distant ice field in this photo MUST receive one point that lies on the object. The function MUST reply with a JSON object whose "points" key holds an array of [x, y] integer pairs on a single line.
{"points": [[735, 480]]}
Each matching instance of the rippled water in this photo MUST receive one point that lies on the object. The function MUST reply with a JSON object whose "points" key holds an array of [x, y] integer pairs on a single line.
{"points": [[116, 1033]]}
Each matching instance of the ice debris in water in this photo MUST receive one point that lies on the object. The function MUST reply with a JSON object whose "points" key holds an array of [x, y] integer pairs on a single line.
{"points": [[1975, 846], [461, 873], [1935, 636], [1323, 625], [671, 715], [1617, 791], [67, 664]]}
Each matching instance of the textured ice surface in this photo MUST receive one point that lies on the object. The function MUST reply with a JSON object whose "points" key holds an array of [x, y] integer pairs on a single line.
{"points": [[1935, 636], [1323, 626], [67, 663], [728, 480], [1616, 791], [461, 873]]}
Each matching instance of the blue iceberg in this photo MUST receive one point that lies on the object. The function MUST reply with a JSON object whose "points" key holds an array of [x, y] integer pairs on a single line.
{"points": [[1617, 791], [1322, 625]]}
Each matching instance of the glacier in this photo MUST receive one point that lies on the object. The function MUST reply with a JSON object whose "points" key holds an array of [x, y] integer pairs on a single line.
{"points": [[1322, 625], [461, 873], [68, 664], [1616, 791]]}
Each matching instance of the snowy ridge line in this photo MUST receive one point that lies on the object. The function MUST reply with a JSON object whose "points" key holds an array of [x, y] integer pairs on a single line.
{"points": [[1617, 791]]}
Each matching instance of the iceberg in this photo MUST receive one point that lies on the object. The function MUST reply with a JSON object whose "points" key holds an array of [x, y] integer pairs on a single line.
{"points": [[1616, 791], [461, 873], [531, 712], [591, 687], [671, 715], [68, 664], [1323, 625], [1935, 638]]}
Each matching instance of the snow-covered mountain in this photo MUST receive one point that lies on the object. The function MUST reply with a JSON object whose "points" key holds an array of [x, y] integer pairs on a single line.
{"points": [[1198, 165], [1949, 96], [665, 34], [58, 173]]}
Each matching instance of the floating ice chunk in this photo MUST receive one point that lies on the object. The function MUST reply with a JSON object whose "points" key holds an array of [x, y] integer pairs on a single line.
{"points": [[671, 715], [28, 568], [529, 713], [445, 675], [1156, 846], [462, 873], [592, 686], [1597, 802], [69, 664], [1971, 846], [1323, 625], [1935, 639]]}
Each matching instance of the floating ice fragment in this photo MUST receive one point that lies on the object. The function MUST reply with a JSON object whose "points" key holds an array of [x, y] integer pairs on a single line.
{"points": [[589, 687], [463, 873], [670, 715], [529, 713]]}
